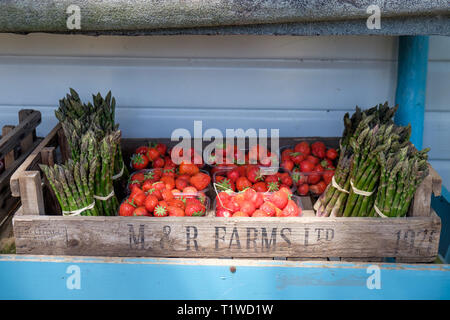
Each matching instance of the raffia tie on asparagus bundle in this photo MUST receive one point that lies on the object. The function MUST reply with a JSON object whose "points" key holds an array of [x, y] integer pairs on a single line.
{"points": [[73, 185]]}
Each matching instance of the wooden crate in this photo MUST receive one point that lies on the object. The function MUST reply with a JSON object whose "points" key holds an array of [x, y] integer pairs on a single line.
{"points": [[16, 144], [39, 231]]}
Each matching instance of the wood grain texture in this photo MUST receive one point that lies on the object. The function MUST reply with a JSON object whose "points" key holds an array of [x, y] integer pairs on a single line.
{"points": [[20, 132], [33, 159], [9, 158], [437, 181], [422, 198], [27, 142], [416, 237], [31, 194]]}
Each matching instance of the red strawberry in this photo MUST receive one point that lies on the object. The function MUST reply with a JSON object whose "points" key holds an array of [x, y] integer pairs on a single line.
{"points": [[150, 203], [169, 182], [180, 183], [260, 186], [331, 154], [138, 176], [312, 159], [153, 154], [247, 207], [303, 148], [286, 179], [139, 161], [254, 174], [233, 175], [140, 211], [306, 166], [271, 178], [175, 211], [240, 214], [327, 176], [259, 213], [138, 198], [158, 163], [155, 192], [318, 188], [126, 209], [279, 198], [242, 183], [161, 148], [318, 149], [286, 154], [287, 164], [160, 211], [303, 189], [142, 150], [200, 180], [222, 212], [273, 186], [194, 209], [291, 209], [269, 208], [297, 157]]}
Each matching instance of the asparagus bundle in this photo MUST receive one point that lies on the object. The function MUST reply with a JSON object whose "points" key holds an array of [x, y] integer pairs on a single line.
{"points": [[378, 170], [401, 174], [73, 185], [78, 118], [361, 139]]}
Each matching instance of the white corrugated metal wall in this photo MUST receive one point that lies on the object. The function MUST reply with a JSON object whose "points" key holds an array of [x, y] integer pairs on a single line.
{"points": [[301, 85]]}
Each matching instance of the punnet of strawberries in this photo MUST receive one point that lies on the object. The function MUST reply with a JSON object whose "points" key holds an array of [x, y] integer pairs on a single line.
{"points": [[251, 203], [187, 178], [230, 155], [161, 202], [238, 178], [312, 166]]}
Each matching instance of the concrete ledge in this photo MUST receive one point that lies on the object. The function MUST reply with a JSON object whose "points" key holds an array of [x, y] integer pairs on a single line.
{"points": [[225, 16]]}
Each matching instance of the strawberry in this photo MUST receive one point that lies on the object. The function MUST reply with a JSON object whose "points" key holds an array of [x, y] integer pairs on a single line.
{"points": [[306, 166], [247, 207], [134, 184], [314, 160], [271, 178], [126, 209], [181, 183], [188, 168], [240, 214], [158, 163], [291, 209], [138, 198], [260, 186], [140, 211], [297, 157], [159, 185], [169, 182], [303, 189], [268, 208], [242, 183], [150, 203], [161, 148], [279, 198], [223, 184], [141, 150], [287, 164], [167, 194], [190, 190], [138, 176], [222, 212], [147, 185], [286, 190], [233, 175], [176, 203], [175, 211], [318, 149], [331, 154], [318, 188], [259, 213], [160, 211], [286, 154], [315, 175], [200, 180], [327, 176], [286, 179], [254, 174], [139, 161], [303, 148], [155, 192], [327, 163], [273, 186], [153, 154], [194, 209]]}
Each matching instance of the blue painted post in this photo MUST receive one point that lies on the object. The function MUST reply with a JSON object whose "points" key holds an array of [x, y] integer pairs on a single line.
{"points": [[411, 84]]}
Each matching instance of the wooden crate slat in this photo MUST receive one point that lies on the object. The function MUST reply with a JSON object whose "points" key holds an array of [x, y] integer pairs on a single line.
{"points": [[415, 237], [13, 138]]}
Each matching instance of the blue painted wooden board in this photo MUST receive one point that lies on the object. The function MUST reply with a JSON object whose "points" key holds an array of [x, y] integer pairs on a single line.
{"points": [[44, 277]]}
